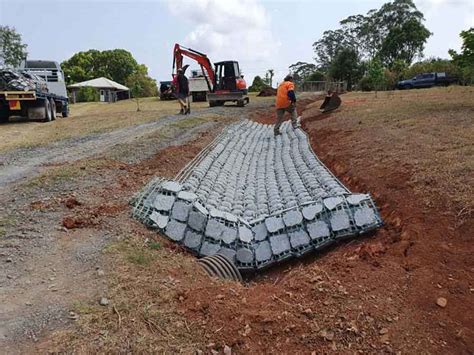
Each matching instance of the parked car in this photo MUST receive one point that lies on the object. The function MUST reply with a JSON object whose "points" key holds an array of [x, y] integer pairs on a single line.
{"points": [[166, 90], [426, 80]]}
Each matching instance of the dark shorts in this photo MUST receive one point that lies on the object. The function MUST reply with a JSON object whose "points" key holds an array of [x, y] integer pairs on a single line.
{"points": [[182, 96]]}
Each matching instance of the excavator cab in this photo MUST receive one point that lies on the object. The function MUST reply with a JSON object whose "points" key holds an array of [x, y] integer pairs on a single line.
{"points": [[228, 77]]}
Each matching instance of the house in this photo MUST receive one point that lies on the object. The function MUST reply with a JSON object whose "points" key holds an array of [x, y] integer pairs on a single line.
{"points": [[108, 90]]}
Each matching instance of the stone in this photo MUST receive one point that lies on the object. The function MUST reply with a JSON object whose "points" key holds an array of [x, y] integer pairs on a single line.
{"points": [[355, 199], [442, 302], [175, 230], [208, 249], [227, 350], [333, 202], [364, 216], [299, 238], [187, 196], [192, 240], [164, 202], [103, 301], [279, 244], [244, 255], [197, 221], [274, 224], [263, 251], [260, 231], [383, 331], [229, 234], [200, 208], [228, 253], [180, 211], [339, 221], [214, 229], [318, 229], [171, 186], [160, 220], [292, 218], [245, 234], [310, 212]]}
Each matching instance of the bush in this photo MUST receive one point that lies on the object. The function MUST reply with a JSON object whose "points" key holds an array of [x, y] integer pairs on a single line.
{"points": [[365, 84], [87, 94]]}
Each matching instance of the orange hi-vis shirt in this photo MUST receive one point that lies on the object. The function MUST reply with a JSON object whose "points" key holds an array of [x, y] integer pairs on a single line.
{"points": [[282, 100]]}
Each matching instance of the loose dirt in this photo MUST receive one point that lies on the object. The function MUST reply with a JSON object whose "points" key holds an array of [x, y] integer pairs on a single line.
{"points": [[374, 294]]}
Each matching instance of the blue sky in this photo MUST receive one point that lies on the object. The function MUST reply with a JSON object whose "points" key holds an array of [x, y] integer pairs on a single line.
{"points": [[260, 34]]}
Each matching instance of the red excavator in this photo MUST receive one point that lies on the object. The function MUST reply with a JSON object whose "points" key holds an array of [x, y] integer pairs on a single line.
{"points": [[225, 82]]}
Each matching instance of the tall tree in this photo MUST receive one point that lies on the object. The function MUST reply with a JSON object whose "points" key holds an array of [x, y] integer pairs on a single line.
{"points": [[329, 45], [257, 84], [12, 49]]}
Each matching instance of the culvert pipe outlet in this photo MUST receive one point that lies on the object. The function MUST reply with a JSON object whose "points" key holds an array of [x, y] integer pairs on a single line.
{"points": [[221, 267]]}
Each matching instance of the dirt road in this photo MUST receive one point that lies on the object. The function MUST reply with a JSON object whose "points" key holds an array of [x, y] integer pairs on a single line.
{"points": [[67, 240]]}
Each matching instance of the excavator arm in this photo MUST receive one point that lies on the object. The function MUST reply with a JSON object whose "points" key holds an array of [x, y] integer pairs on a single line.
{"points": [[200, 58]]}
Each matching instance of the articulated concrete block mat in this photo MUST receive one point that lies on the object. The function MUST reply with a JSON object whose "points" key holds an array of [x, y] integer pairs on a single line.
{"points": [[256, 198]]}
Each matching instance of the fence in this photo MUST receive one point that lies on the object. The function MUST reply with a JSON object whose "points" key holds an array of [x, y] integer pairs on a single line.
{"points": [[314, 86]]}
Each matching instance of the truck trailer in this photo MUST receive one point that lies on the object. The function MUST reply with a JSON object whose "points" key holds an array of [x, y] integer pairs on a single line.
{"points": [[44, 100]]}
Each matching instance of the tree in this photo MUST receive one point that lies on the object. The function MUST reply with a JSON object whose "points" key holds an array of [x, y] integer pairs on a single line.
{"points": [[302, 70], [393, 32], [257, 84], [316, 76], [329, 45], [346, 66], [376, 75], [269, 77], [116, 64], [465, 59], [12, 49]]}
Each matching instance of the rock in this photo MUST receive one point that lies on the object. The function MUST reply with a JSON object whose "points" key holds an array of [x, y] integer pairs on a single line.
{"points": [[383, 331], [327, 334], [104, 301], [9, 260], [227, 350], [442, 302], [100, 273]]}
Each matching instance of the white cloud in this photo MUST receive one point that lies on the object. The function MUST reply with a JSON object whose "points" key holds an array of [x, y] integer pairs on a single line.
{"points": [[228, 29]]}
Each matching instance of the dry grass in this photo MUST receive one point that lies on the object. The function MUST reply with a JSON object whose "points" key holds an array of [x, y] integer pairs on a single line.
{"points": [[89, 118], [145, 285], [432, 130]]}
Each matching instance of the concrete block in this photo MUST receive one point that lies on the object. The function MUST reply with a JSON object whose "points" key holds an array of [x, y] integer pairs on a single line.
{"points": [[228, 253], [355, 199]]}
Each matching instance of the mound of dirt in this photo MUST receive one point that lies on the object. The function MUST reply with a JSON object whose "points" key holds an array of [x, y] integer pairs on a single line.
{"points": [[267, 91]]}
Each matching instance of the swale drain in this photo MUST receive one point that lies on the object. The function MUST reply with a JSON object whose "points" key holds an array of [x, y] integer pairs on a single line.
{"points": [[255, 200]]}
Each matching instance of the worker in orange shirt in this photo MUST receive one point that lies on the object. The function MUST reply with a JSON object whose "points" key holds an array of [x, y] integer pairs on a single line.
{"points": [[286, 102]]}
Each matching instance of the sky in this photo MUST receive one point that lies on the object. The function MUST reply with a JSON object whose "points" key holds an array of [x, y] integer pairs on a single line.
{"points": [[260, 34]]}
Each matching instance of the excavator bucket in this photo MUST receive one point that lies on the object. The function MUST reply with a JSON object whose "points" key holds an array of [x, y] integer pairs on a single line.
{"points": [[331, 102]]}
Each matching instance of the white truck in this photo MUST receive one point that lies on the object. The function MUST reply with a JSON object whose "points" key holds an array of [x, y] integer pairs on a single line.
{"points": [[198, 86], [38, 102]]}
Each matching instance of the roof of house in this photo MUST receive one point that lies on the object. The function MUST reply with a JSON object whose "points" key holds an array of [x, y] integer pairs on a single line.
{"points": [[100, 83]]}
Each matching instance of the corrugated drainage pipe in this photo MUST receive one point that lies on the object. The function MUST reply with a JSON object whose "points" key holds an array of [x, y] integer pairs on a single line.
{"points": [[220, 266]]}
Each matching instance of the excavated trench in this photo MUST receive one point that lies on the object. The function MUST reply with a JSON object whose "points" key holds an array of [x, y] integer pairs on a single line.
{"points": [[256, 199]]}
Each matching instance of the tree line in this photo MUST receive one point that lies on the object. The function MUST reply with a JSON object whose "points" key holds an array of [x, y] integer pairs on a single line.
{"points": [[376, 50]]}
